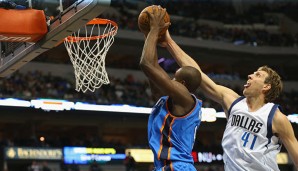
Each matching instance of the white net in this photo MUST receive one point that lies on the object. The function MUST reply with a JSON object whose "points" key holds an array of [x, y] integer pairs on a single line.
{"points": [[87, 49]]}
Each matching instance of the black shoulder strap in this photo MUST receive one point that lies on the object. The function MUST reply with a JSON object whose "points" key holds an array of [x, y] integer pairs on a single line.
{"points": [[236, 101]]}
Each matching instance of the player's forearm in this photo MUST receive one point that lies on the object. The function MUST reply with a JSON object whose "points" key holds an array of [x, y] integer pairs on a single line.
{"points": [[149, 54], [180, 56]]}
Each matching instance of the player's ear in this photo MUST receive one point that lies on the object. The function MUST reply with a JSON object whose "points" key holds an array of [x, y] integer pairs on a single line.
{"points": [[183, 82], [267, 87]]}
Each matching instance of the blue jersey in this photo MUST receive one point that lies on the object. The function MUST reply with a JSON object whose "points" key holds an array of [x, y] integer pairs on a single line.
{"points": [[171, 138]]}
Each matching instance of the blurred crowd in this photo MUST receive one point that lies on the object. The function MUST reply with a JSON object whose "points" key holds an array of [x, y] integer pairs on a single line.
{"points": [[36, 84], [185, 16]]}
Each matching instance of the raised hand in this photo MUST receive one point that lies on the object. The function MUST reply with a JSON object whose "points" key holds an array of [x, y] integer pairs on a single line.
{"points": [[157, 18]]}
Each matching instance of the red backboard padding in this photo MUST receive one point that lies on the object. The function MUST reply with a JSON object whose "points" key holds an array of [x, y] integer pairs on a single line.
{"points": [[22, 25]]}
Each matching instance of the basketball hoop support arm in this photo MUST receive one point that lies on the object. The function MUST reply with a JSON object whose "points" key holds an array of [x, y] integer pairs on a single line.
{"points": [[73, 18]]}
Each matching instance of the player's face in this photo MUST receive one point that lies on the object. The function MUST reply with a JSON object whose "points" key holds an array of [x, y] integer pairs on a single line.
{"points": [[255, 84]]}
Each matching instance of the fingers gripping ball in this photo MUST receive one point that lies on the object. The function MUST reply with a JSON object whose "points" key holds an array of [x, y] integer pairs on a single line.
{"points": [[144, 21]]}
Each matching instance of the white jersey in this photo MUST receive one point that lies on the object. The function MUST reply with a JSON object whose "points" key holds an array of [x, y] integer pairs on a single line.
{"points": [[248, 141]]}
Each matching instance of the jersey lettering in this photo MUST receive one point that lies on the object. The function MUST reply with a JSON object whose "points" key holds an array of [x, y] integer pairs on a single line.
{"points": [[246, 123]]}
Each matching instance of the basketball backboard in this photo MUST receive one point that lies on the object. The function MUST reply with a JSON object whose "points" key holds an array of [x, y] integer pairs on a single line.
{"points": [[69, 16]]}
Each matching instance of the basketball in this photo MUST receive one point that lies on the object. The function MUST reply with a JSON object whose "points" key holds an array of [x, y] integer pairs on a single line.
{"points": [[144, 21]]}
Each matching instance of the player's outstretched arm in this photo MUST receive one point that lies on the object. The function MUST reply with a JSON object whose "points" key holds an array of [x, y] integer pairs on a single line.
{"points": [[217, 93], [179, 94], [283, 128]]}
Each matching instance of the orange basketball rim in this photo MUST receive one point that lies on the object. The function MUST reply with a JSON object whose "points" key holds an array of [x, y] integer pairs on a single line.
{"points": [[96, 21]]}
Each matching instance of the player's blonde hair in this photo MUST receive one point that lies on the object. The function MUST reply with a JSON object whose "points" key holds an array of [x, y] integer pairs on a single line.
{"points": [[275, 81]]}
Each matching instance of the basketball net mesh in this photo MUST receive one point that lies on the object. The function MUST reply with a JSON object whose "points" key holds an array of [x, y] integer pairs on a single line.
{"points": [[88, 53]]}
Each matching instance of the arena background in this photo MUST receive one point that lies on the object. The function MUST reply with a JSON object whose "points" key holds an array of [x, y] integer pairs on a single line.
{"points": [[228, 38]]}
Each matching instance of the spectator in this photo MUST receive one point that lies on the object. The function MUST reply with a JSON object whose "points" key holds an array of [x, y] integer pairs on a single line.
{"points": [[129, 162], [34, 166], [94, 166], [63, 166], [45, 166]]}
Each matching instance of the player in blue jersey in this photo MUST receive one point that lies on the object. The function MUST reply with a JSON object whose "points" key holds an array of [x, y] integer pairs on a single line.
{"points": [[177, 114], [256, 127]]}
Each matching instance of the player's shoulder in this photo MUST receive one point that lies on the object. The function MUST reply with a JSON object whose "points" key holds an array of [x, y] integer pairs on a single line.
{"points": [[279, 117], [280, 120], [232, 101], [228, 95]]}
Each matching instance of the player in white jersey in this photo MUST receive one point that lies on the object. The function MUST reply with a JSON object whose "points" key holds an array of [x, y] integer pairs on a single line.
{"points": [[248, 140], [256, 127]]}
